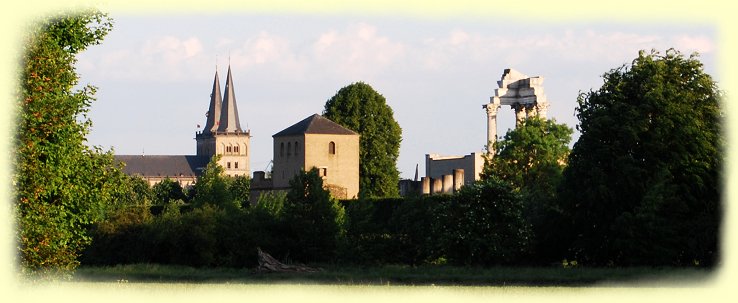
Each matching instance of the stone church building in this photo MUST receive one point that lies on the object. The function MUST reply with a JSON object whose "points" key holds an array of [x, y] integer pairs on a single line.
{"points": [[313, 142], [222, 135]]}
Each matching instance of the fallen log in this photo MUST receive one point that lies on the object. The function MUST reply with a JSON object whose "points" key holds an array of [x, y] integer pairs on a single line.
{"points": [[270, 264]]}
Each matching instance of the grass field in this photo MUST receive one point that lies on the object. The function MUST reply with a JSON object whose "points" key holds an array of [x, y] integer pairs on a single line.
{"points": [[404, 275]]}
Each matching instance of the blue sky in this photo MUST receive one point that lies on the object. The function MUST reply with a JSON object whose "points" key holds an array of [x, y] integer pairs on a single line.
{"points": [[155, 71]]}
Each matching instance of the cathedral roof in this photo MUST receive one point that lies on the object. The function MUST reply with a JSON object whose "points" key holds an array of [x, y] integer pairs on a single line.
{"points": [[315, 124], [229, 121], [164, 166]]}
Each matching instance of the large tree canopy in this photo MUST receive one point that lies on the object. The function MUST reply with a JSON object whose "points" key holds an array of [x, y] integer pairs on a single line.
{"points": [[360, 108], [61, 184], [531, 158], [643, 181]]}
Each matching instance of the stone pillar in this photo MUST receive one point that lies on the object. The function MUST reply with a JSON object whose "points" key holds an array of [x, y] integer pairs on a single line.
{"points": [[425, 185], [448, 184], [519, 113], [492, 108], [458, 179], [530, 110], [437, 186], [542, 109]]}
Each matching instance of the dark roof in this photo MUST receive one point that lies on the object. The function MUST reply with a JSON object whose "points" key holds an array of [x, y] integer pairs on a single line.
{"points": [[163, 165], [229, 121], [315, 124]]}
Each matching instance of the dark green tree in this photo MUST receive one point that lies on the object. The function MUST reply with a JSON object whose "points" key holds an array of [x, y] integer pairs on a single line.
{"points": [[531, 158], [360, 108], [167, 190], [212, 187], [643, 185], [314, 220], [240, 188], [483, 224], [61, 185]]}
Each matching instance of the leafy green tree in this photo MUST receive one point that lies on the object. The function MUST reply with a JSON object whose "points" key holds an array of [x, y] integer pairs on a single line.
{"points": [[315, 221], [61, 185], [167, 190], [483, 224], [643, 181], [240, 188], [360, 108], [532, 158], [212, 187]]}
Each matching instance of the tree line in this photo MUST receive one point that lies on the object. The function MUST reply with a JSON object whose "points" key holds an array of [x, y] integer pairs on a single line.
{"points": [[641, 186]]}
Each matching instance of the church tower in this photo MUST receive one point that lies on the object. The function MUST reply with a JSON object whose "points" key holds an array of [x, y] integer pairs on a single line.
{"points": [[223, 134]]}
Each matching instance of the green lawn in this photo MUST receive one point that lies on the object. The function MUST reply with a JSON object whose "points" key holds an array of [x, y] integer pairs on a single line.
{"points": [[403, 275]]}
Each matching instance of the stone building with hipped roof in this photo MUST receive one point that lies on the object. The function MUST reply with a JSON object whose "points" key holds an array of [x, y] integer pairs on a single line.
{"points": [[313, 142]]}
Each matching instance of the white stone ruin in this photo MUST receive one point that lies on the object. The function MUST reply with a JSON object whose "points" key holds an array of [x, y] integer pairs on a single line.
{"points": [[522, 93]]}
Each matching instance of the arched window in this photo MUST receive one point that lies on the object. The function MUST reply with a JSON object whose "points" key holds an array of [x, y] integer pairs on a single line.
{"points": [[332, 148], [281, 149], [245, 150], [235, 149], [297, 148], [289, 148]]}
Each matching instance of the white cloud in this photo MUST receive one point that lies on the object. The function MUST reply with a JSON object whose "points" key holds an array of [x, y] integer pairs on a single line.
{"points": [[688, 44], [357, 52]]}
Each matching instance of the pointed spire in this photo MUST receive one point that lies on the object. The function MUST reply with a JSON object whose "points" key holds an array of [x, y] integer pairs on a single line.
{"points": [[229, 121], [213, 114]]}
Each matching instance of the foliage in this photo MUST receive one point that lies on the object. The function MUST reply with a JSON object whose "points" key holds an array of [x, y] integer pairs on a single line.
{"points": [[314, 221], [484, 225], [212, 187], [643, 181], [240, 188], [166, 191], [360, 108], [61, 185], [532, 158]]}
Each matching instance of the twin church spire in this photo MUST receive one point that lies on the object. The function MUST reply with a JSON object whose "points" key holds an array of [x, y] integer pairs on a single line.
{"points": [[222, 116]]}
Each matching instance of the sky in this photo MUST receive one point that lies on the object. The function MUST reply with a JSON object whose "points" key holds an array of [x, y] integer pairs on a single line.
{"points": [[154, 72]]}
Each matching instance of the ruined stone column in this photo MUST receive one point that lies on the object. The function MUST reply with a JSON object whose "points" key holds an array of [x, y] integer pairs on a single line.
{"points": [[519, 113], [425, 185], [458, 179], [491, 108], [542, 109], [437, 186], [531, 110], [448, 184]]}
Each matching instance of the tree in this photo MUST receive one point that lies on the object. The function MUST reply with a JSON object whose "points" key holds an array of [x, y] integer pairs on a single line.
{"points": [[167, 190], [643, 181], [61, 185], [212, 187], [360, 108], [531, 158], [483, 224], [314, 221]]}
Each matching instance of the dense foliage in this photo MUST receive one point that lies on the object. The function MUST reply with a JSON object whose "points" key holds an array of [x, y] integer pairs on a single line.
{"points": [[643, 181], [61, 184], [531, 158], [360, 108]]}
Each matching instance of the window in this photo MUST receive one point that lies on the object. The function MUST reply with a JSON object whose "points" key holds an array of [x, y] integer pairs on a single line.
{"points": [[228, 165], [235, 165], [323, 172], [228, 149], [281, 149], [289, 148], [245, 150], [332, 148], [235, 149], [297, 149]]}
